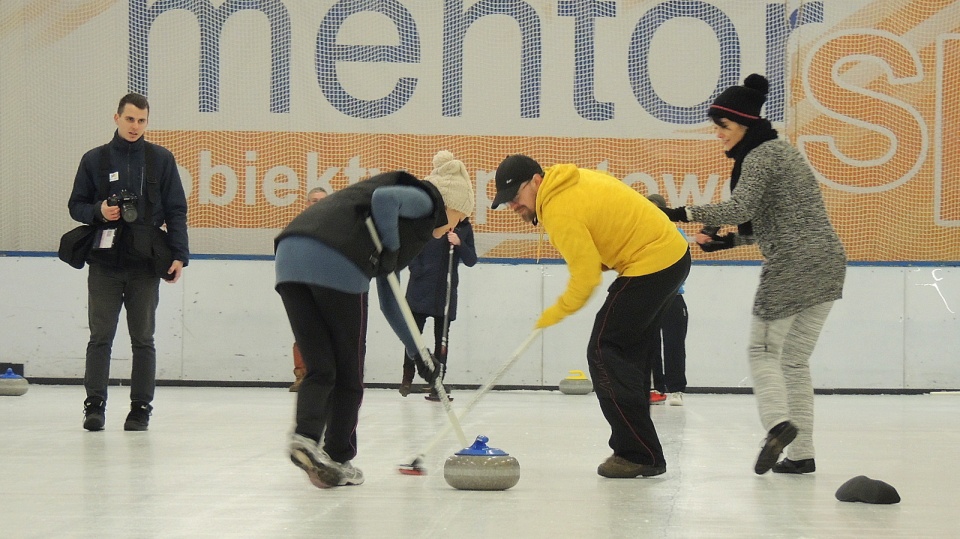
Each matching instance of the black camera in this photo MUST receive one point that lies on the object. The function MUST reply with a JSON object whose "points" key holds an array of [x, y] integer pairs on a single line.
{"points": [[127, 202]]}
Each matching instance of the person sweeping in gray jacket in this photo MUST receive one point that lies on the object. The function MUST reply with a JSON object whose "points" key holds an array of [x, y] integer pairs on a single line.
{"points": [[776, 203]]}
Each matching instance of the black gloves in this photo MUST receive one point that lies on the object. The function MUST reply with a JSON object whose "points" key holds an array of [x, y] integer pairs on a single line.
{"points": [[717, 243], [677, 215], [424, 371], [388, 261]]}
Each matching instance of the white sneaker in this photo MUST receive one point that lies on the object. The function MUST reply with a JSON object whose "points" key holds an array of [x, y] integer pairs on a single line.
{"points": [[348, 474], [675, 399], [320, 468]]}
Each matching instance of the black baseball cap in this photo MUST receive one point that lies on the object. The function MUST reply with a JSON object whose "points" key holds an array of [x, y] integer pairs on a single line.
{"points": [[513, 172]]}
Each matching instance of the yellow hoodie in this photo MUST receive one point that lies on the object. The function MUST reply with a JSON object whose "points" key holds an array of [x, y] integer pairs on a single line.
{"points": [[598, 222]]}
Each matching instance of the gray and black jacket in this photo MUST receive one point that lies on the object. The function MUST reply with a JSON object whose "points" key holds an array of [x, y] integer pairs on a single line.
{"points": [[804, 261]]}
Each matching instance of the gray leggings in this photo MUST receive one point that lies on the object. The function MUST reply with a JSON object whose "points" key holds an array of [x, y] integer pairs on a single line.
{"points": [[780, 365]]}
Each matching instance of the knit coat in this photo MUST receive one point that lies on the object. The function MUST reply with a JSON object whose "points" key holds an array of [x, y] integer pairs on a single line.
{"points": [[804, 262]]}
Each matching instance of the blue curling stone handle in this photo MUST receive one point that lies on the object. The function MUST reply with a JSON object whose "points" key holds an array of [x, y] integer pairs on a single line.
{"points": [[480, 448], [10, 375]]}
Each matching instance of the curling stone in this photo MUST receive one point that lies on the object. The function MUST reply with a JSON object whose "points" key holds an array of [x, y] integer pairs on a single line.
{"points": [[576, 384], [479, 467], [12, 384]]}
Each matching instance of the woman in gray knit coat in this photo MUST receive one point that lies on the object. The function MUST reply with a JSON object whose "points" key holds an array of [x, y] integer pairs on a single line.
{"points": [[776, 203]]}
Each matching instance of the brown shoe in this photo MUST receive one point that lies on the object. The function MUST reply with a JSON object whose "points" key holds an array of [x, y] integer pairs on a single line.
{"points": [[406, 385], [299, 373], [621, 468]]}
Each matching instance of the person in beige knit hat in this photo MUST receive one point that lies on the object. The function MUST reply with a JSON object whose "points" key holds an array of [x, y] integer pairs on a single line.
{"points": [[451, 178], [432, 286]]}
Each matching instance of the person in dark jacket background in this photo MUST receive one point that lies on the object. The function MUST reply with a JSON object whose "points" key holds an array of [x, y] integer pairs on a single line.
{"points": [[325, 259], [128, 189], [430, 273]]}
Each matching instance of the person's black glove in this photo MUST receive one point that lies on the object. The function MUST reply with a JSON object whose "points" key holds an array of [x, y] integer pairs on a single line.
{"points": [[716, 243], [677, 215], [388, 261], [424, 371]]}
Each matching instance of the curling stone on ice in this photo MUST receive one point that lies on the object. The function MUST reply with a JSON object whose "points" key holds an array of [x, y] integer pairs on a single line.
{"points": [[480, 467], [12, 384], [576, 384]]}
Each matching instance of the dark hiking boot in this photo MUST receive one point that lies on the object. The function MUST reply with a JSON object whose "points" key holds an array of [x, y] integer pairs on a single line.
{"points": [[139, 417], [94, 413]]}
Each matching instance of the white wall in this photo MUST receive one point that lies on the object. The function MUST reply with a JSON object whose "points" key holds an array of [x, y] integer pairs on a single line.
{"points": [[224, 322]]}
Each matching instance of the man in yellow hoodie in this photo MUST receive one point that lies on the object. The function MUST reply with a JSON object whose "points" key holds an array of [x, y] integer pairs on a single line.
{"points": [[599, 223]]}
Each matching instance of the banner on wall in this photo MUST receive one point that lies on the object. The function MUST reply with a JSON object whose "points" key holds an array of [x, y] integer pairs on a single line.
{"points": [[261, 101]]}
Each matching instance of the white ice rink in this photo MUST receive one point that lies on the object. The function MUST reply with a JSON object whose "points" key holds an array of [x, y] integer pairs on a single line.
{"points": [[214, 464]]}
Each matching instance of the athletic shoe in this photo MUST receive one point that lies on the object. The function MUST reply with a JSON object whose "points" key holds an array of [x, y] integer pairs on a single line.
{"points": [[139, 417], [94, 413], [348, 474], [795, 466], [308, 456], [620, 468], [675, 399], [778, 438], [656, 397]]}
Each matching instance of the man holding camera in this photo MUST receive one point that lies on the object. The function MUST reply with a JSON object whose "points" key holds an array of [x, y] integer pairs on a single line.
{"points": [[128, 188]]}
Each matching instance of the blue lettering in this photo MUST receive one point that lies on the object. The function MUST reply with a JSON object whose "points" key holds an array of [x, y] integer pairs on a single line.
{"points": [[640, 50], [211, 21], [585, 11], [456, 22], [329, 53], [779, 29]]}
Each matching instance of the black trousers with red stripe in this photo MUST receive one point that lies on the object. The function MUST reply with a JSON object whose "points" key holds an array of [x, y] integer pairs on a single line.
{"points": [[330, 328], [619, 358]]}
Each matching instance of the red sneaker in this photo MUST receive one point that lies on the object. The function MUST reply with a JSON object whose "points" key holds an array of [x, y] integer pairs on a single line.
{"points": [[656, 397]]}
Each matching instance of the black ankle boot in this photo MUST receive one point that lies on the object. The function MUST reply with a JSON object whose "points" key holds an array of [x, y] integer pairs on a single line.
{"points": [[139, 416], [434, 396], [795, 466], [778, 438], [94, 413]]}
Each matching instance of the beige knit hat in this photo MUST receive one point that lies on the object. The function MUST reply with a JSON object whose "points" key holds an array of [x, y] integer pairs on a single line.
{"points": [[452, 180]]}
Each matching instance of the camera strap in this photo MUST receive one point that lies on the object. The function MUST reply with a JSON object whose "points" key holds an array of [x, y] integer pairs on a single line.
{"points": [[103, 185], [152, 189]]}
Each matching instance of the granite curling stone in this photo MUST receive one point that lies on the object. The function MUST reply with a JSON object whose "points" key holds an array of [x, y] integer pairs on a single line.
{"points": [[576, 384], [479, 467], [12, 384]]}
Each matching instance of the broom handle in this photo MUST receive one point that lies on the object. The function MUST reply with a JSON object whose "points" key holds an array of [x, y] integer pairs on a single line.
{"points": [[481, 392], [446, 306], [417, 337]]}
